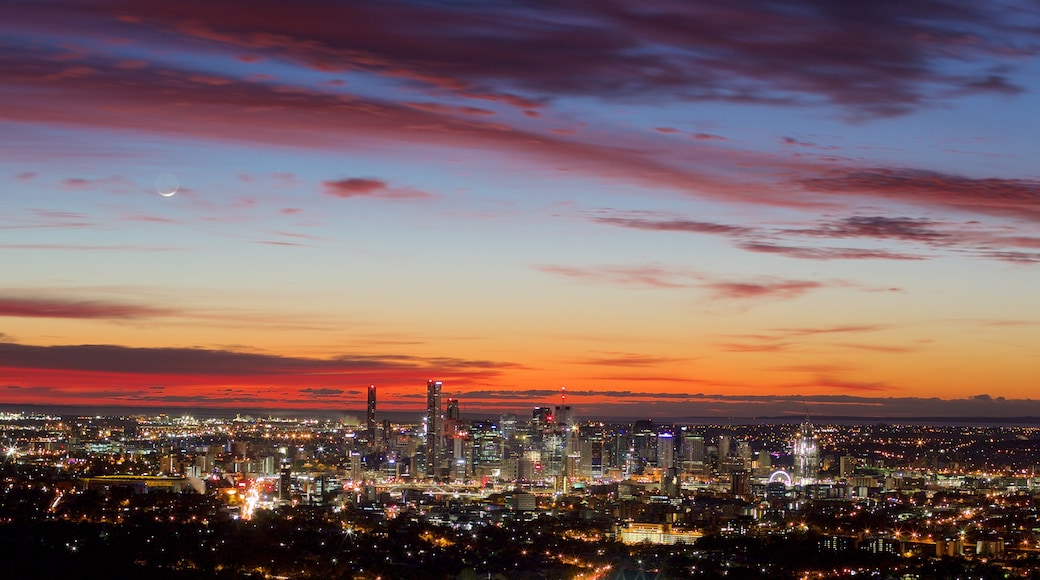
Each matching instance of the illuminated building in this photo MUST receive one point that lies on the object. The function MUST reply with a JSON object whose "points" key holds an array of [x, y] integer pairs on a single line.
{"points": [[692, 451], [665, 450], [371, 416], [806, 455], [434, 427]]}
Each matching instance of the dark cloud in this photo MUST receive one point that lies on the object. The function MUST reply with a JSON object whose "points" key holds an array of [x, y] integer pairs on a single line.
{"points": [[197, 361], [354, 186], [870, 59], [1005, 197], [366, 187], [693, 406], [929, 236], [673, 225], [26, 307], [323, 392], [881, 227]]}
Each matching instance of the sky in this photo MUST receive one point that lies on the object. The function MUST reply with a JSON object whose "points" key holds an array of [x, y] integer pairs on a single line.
{"points": [[671, 208]]}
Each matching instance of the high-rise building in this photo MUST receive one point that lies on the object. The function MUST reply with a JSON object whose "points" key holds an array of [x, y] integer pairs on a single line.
{"points": [[806, 455], [284, 482], [434, 429], [453, 409], [693, 451], [507, 424], [371, 416], [665, 450], [590, 439], [564, 413], [644, 444]]}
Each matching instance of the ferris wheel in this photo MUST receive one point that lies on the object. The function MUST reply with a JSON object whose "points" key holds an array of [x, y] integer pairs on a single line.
{"points": [[782, 477]]}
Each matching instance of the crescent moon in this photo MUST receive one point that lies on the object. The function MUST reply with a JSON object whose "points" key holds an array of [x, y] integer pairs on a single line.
{"points": [[166, 185]]}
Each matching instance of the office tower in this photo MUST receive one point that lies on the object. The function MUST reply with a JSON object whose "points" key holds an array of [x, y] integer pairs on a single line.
{"points": [[693, 451], [744, 453], [591, 448], [765, 463], [453, 409], [540, 416], [371, 416], [507, 425], [725, 444], [806, 455], [284, 482], [665, 450], [740, 483], [434, 429], [487, 448], [564, 413], [644, 444]]}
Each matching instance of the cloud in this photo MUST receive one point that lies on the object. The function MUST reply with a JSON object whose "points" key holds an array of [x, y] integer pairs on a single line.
{"points": [[886, 60], [693, 407], [782, 339], [366, 187], [1004, 197], [26, 307], [354, 186], [197, 361], [664, 277], [631, 276], [881, 227], [673, 225], [930, 237], [765, 288], [826, 253], [323, 392]]}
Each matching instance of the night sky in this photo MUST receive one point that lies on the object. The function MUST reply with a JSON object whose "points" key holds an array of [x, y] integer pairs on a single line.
{"points": [[673, 208]]}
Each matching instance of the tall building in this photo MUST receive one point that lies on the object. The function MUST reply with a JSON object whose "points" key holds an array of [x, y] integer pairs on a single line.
{"points": [[806, 455], [564, 413], [693, 451], [665, 450], [371, 416], [453, 409], [507, 425], [434, 428]]}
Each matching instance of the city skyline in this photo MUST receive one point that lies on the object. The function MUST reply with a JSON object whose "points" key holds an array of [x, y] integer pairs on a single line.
{"points": [[678, 209]]}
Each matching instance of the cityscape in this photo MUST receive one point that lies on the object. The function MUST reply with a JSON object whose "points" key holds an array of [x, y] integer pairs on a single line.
{"points": [[544, 494], [513, 289]]}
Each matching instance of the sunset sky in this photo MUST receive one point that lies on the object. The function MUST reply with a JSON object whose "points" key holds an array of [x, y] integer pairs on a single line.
{"points": [[672, 208]]}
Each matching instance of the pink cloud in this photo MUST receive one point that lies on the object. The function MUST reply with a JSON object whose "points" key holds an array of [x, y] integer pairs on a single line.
{"points": [[769, 288], [367, 187]]}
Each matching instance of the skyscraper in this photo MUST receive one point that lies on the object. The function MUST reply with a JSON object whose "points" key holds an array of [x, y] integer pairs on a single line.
{"points": [[806, 455], [434, 428], [371, 416], [665, 450]]}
